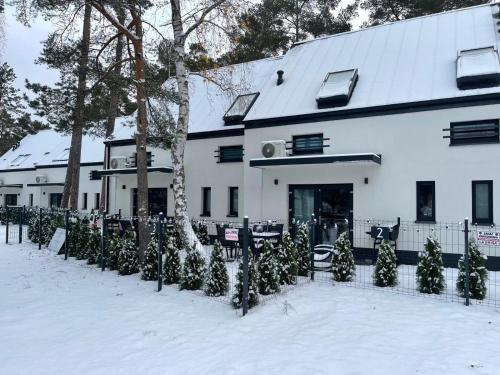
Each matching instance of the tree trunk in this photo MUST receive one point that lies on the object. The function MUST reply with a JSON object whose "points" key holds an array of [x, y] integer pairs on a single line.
{"points": [[72, 181]]}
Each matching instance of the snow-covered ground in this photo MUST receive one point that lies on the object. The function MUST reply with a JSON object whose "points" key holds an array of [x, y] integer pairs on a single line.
{"points": [[64, 317]]}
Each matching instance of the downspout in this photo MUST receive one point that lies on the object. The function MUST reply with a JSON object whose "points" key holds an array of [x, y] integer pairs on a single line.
{"points": [[106, 162]]}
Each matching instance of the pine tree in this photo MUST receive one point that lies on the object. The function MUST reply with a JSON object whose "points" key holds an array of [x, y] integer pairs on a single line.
{"points": [[430, 278], [253, 295], [217, 282], [303, 251], [193, 270], [478, 274], [287, 260], [268, 274], [33, 228], [172, 266], [343, 267], [203, 234], [128, 257], [113, 246], [94, 246], [74, 237], [83, 239], [150, 264], [386, 271]]}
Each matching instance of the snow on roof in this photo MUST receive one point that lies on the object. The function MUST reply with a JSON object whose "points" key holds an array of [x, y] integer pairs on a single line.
{"points": [[402, 62]]}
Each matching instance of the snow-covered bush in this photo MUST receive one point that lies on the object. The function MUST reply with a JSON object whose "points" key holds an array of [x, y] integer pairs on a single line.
{"points": [[478, 274], [253, 295], [83, 239], [193, 270], [150, 263], [430, 278], [386, 271], [113, 246], [94, 246], [268, 275], [33, 228], [343, 267], [303, 250], [172, 265], [217, 281], [128, 259], [74, 237], [287, 260]]}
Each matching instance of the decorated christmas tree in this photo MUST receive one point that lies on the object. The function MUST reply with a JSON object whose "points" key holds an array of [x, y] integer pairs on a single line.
{"points": [[287, 260], [430, 278], [113, 246], [386, 272], [478, 274], [94, 246], [193, 270], [253, 295], [217, 281], [303, 251], [203, 234], [343, 267], [268, 278], [128, 259], [172, 265], [150, 263]]}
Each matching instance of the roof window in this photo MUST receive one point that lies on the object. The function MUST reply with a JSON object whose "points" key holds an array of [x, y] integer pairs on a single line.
{"points": [[18, 160], [63, 156], [240, 108], [337, 88], [477, 68]]}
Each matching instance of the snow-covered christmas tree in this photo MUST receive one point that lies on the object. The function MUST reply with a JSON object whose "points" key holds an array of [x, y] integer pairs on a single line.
{"points": [[343, 267], [83, 239], [33, 227], [94, 246], [217, 281], [478, 274], [303, 250], [172, 265], [287, 260], [203, 234], [386, 271], [253, 295], [113, 246], [74, 237], [430, 278], [268, 275], [193, 270], [128, 259], [150, 263]]}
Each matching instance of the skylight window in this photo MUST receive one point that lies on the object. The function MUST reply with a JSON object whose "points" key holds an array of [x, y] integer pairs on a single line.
{"points": [[337, 88], [63, 156], [240, 108], [18, 160], [478, 68]]}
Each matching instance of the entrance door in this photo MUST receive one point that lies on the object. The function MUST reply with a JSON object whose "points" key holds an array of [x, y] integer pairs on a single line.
{"points": [[157, 199], [55, 200], [331, 205], [10, 200]]}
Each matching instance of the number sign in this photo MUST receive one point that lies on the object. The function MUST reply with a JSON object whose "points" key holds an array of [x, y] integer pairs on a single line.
{"points": [[490, 238], [231, 234]]}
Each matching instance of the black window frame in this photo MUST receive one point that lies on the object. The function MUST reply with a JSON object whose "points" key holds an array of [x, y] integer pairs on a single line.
{"points": [[97, 200], [236, 119], [489, 220], [222, 158], [233, 211], [84, 201], [30, 199], [420, 217], [149, 159], [8, 197], [455, 130], [305, 150], [206, 201], [57, 197]]}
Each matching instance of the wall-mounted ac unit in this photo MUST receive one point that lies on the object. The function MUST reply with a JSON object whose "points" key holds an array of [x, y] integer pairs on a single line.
{"points": [[274, 149], [118, 162], [41, 179]]}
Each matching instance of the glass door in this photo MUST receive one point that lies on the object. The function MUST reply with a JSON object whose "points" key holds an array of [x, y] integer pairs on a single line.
{"points": [[157, 199]]}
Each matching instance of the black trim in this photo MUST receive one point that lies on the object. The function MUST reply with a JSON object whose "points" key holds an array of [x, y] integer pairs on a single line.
{"points": [[111, 172], [420, 218], [236, 119], [233, 211], [489, 219], [17, 170], [206, 201], [120, 142], [326, 159], [384, 110], [338, 100], [461, 133], [216, 134], [48, 184], [20, 186], [221, 156], [297, 149], [49, 166]]}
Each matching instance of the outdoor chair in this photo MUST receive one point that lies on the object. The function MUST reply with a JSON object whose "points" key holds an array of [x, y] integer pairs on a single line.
{"points": [[229, 246], [322, 257]]}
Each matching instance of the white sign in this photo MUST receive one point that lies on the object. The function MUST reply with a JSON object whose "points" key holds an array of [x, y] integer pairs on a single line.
{"points": [[57, 240], [231, 234], [485, 237]]}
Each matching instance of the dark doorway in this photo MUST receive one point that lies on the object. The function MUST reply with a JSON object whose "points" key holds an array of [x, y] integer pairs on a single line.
{"points": [[55, 200], [10, 200], [332, 206], [157, 198]]}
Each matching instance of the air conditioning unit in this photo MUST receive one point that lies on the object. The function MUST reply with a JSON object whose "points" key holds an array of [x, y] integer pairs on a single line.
{"points": [[41, 179], [118, 162], [274, 149]]}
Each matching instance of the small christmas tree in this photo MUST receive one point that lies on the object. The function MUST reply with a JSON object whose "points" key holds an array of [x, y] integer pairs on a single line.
{"points": [[217, 282], [303, 251], [430, 278], [268, 279], [74, 237], [128, 260], [203, 234], [386, 271], [33, 228], [150, 264], [343, 267], [253, 295], [478, 274], [113, 246], [287, 260], [172, 266], [94, 246], [193, 270], [83, 239]]}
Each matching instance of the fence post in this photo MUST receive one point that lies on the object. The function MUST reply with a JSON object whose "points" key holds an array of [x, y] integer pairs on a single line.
{"points": [[66, 241], [160, 249], [244, 301], [312, 237], [466, 261], [21, 215], [6, 224], [103, 242], [40, 230]]}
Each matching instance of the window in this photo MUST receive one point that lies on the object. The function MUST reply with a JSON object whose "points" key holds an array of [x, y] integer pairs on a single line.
{"points": [[474, 132], [133, 161], [233, 201], [206, 204], [307, 144], [97, 201], [482, 202], [31, 200], [426, 201], [84, 201], [18, 160], [337, 88], [55, 200], [240, 108], [62, 156], [478, 68], [10, 200], [228, 154]]}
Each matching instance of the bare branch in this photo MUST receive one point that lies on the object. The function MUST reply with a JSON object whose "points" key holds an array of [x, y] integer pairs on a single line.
{"points": [[124, 29], [204, 14]]}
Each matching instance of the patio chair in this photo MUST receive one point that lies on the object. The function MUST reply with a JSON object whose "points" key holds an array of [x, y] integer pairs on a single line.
{"points": [[322, 257], [221, 236], [279, 229]]}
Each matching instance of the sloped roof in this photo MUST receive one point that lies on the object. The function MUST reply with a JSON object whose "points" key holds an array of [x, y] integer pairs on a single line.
{"points": [[403, 62]]}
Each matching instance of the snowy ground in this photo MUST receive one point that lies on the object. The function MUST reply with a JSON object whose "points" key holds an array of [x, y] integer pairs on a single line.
{"points": [[64, 317]]}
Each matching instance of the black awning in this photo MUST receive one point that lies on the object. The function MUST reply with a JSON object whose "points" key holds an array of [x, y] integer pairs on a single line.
{"points": [[47, 184], [19, 186], [112, 172], [316, 159]]}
